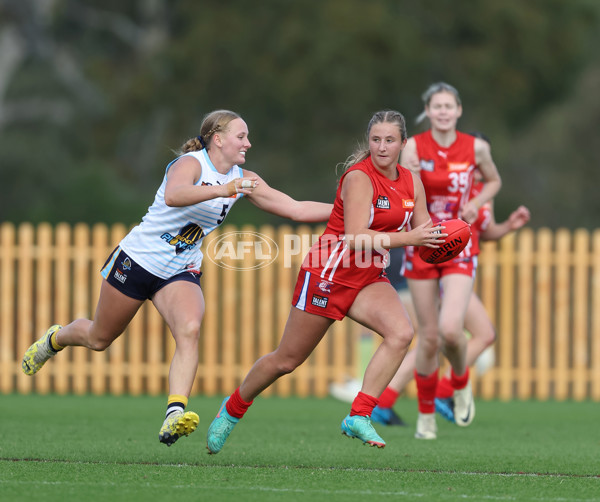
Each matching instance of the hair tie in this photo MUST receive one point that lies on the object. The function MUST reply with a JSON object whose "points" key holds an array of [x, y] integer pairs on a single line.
{"points": [[199, 138]]}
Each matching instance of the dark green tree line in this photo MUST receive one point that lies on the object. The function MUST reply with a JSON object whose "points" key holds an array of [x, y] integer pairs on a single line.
{"points": [[95, 96]]}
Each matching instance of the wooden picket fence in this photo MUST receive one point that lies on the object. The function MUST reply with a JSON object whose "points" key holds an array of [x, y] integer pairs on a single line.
{"points": [[541, 288]]}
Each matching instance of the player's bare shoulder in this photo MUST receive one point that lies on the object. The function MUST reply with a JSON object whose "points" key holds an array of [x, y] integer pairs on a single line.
{"points": [[409, 158], [185, 167], [483, 151]]}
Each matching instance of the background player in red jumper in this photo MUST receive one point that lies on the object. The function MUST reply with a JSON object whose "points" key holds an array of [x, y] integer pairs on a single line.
{"points": [[477, 321], [445, 158]]}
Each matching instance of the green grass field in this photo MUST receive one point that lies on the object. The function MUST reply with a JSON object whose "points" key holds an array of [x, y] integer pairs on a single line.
{"points": [[88, 448]]}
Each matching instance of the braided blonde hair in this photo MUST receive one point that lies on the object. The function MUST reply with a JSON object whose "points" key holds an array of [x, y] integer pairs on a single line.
{"points": [[362, 152], [212, 123]]}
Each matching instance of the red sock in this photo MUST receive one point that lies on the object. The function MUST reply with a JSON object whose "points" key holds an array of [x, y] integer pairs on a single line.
{"points": [[236, 406], [363, 405], [426, 386], [388, 398], [444, 388], [459, 382]]}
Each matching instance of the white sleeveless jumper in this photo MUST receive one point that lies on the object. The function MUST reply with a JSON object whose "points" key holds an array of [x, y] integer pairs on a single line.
{"points": [[168, 239]]}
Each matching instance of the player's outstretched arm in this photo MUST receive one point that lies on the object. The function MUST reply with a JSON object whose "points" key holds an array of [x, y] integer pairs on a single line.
{"points": [[273, 201], [517, 219]]}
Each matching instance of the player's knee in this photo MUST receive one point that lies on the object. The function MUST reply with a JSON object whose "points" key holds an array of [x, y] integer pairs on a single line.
{"points": [[190, 330], [399, 340], [451, 334], [287, 366], [99, 344], [284, 365], [490, 337], [429, 342]]}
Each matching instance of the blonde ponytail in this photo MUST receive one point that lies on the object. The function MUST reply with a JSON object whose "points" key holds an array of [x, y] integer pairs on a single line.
{"points": [[212, 123]]}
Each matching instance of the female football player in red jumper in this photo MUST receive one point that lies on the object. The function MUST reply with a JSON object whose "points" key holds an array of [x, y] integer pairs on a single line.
{"points": [[343, 275], [477, 322], [445, 159]]}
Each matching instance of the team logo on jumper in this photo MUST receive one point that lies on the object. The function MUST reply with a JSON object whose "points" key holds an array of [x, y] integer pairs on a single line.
{"points": [[382, 202], [186, 239], [319, 301], [426, 165], [325, 286], [126, 264], [458, 166], [442, 206]]}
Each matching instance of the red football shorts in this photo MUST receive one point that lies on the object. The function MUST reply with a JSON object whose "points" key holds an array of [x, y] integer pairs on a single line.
{"points": [[413, 267], [325, 298]]}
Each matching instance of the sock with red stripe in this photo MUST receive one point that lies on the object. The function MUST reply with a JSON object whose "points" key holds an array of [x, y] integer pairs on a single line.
{"points": [[426, 387], [363, 405], [388, 398], [236, 406]]}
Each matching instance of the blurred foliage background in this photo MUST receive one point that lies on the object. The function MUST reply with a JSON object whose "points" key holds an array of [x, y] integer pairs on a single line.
{"points": [[96, 95]]}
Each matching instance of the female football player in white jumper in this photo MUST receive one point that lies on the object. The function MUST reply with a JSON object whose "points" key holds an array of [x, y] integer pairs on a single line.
{"points": [[160, 259]]}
